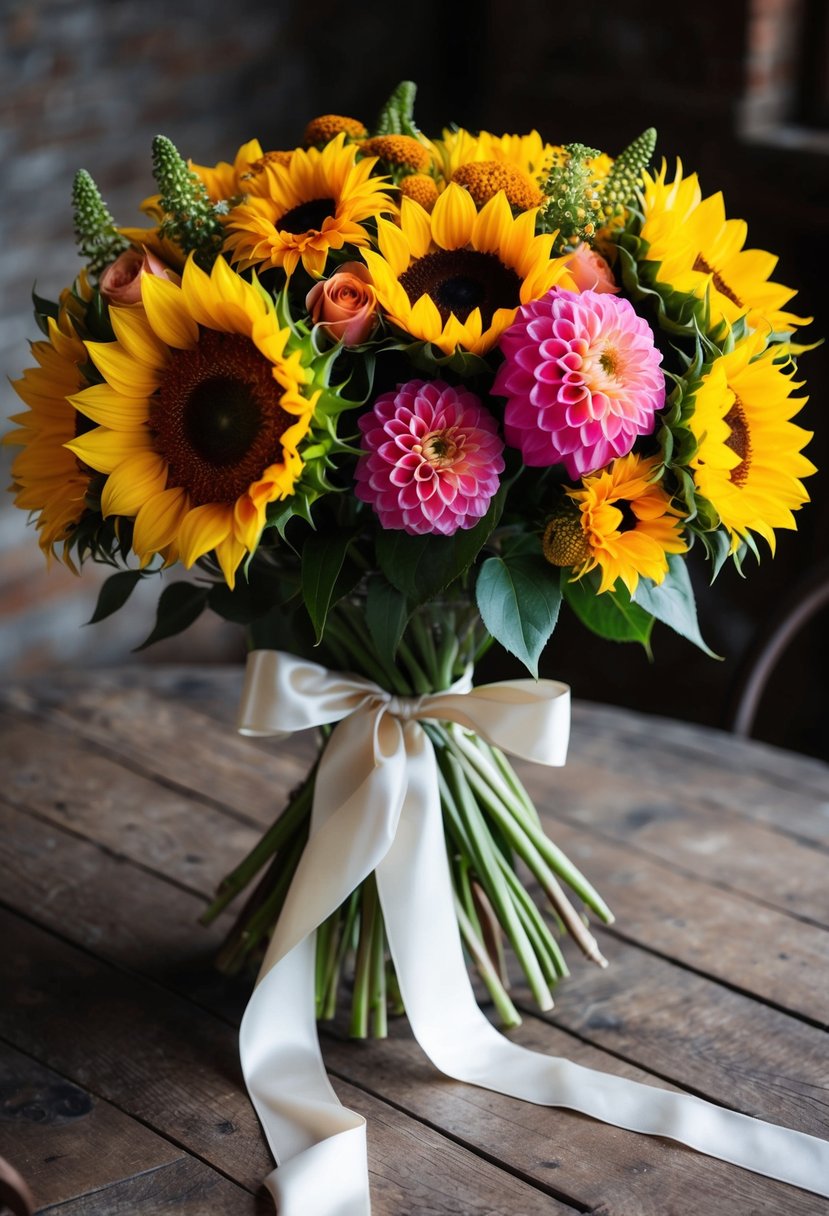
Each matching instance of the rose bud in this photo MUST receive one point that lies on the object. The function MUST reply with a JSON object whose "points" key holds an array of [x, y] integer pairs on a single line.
{"points": [[590, 270], [120, 283], [344, 305]]}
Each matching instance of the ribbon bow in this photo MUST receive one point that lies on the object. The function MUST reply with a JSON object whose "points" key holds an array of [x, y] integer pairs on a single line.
{"points": [[377, 809]]}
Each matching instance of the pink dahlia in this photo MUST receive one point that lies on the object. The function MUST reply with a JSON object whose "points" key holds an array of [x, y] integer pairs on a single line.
{"points": [[582, 380], [432, 456]]}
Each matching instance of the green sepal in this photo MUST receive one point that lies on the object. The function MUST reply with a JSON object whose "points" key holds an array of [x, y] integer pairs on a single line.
{"points": [[44, 310], [519, 600], [672, 602], [426, 357], [423, 566], [611, 615], [179, 605]]}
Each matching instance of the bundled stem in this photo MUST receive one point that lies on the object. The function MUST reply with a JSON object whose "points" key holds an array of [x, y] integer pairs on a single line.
{"points": [[490, 824]]}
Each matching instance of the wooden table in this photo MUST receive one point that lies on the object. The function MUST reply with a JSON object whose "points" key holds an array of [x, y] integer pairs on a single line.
{"points": [[126, 797]]}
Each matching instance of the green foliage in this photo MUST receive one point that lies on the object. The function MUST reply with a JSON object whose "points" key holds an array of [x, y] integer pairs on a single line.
{"points": [[114, 594], [99, 241], [611, 615], [519, 600], [397, 115], [190, 219], [672, 602], [179, 605], [423, 566], [387, 614], [323, 554]]}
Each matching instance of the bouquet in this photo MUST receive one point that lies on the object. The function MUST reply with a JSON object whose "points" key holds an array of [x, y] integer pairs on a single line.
{"points": [[392, 399]]}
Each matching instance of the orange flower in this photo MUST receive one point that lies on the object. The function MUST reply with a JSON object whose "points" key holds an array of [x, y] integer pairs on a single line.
{"points": [[345, 305]]}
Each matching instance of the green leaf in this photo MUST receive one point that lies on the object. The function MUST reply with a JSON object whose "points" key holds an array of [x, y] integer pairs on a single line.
{"points": [[423, 566], [387, 613], [519, 599], [672, 602], [179, 605], [611, 615], [114, 594], [323, 554]]}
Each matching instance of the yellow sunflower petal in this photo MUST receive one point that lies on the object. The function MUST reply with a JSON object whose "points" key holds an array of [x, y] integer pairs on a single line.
{"points": [[132, 483], [203, 529], [103, 405], [135, 335], [453, 218], [105, 450], [119, 369], [229, 554], [167, 312], [158, 522]]}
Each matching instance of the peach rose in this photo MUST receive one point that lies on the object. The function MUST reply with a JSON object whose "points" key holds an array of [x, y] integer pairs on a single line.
{"points": [[344, 305], [591, 271], [121, 281]]}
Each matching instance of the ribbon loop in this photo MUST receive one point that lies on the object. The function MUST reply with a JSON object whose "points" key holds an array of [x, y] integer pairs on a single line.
{"points": [[377, 809]]}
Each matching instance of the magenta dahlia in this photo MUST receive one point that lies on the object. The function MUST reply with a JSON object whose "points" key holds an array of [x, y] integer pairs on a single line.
{"points": [[432, 458], [582, 380]]}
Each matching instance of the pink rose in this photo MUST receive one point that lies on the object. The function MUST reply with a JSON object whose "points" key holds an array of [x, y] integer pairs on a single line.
{"points": [[121, 282], [344, 305], [590, 271]]}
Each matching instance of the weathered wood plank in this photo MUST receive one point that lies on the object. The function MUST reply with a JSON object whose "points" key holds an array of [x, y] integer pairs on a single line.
{"points": [[610, 1171], [673, 822], [638, 1007], [186, 1188], [53, 1130], [760, 783], [719, 933], [166, 738], [174, 1066], [132, 815]]}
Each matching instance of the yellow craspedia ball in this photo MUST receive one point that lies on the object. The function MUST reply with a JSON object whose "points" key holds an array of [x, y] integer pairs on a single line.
{"points": [[327, 126], [421, 188], [563, 542], [484, 178], [402, 150]]}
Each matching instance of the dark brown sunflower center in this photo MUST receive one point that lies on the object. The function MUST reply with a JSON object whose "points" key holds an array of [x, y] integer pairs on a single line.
{"points": [[739, 441], [307, 217], [719, 282], [217, 418], [458, 280]]}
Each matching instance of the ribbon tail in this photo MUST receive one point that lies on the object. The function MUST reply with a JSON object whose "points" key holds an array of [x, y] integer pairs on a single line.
{"points": [[415, 892]]}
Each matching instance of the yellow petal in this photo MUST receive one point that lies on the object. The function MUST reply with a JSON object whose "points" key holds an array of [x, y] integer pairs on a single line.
{"points": [[393, 245], [105, 450], [229, 554], [124, 373], [158, 521], [416, 226], [103, 405], [202, 529], [132, 329], [167, 311], [135, 481], [492, 225], [453, 217]]}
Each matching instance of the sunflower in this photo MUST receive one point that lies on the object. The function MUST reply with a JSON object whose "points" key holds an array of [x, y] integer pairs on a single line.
{"points": [[199, 418], [224, 181], [700, 251], [527, 153], [302, 210], [749, 460], [457, 276], [48, 479], [628, 524]]}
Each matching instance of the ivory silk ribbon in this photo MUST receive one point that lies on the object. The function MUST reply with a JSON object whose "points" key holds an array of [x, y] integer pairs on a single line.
{"points": [[377, 808]]}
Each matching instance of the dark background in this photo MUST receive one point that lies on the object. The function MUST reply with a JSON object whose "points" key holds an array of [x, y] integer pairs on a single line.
{"points": [[737, 89]]}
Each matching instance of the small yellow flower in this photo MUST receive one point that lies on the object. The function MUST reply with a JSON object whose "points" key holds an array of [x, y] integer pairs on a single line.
{"points": [[628, 523]]}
